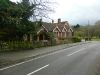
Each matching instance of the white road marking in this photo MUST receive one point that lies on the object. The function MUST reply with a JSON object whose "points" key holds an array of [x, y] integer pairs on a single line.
{"points": [[76, 52], [38, 58], [32, 60], [81, 49], [38, 69], [15, 65]]}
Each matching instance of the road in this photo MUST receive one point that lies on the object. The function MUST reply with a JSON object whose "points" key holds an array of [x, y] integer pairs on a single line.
{"points": [[76, 60]]}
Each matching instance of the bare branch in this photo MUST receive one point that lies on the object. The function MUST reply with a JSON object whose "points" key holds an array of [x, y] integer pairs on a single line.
{"points": [[42, 8]]}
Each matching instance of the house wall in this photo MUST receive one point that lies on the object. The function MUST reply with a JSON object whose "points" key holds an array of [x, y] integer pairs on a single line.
{"points": [[59, 32], [63, 34], [60, 35]]}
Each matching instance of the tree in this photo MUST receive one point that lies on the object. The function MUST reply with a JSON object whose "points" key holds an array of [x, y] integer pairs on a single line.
{"points": [[7, 20], [79, 34], [97, 29], [14, 17], [42, 8], [76, 30], [76, 26]]}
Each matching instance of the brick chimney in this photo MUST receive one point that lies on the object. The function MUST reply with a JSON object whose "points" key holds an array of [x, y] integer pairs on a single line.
{"points": [[59, 20]]}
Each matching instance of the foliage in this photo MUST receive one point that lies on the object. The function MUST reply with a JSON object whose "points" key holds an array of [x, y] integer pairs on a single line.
{"points": [[14, 19], [79, 34], [76, 39], [66, 41], [96, 39], [15, 45], [76, 26], [80, 31], [51, 38], [96, 29], [87, 38], [50, 35], [87, 31], [15, 22]]}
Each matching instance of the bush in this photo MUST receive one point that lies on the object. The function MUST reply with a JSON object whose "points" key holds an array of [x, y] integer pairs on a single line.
{"points": [[87, 39], [38, 44], [15, 45], [76, 39], [52, 42]]}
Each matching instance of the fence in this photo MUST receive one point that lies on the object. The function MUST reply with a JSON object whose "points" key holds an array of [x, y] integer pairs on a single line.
{"points": [[15, 45]]}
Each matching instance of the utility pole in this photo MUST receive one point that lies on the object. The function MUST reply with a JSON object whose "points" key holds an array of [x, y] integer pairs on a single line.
{"points": [[88, 29]]}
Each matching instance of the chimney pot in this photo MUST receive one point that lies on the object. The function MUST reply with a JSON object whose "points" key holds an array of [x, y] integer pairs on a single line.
{"points": [[59, 20]]}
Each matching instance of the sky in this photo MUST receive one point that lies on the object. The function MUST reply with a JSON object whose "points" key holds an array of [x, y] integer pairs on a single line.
{"points": [[76, 11]]}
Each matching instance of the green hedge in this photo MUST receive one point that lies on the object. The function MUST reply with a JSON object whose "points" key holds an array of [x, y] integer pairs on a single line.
{"points": [[88, 38], [15, 45], [76, 39], [22, 45]]}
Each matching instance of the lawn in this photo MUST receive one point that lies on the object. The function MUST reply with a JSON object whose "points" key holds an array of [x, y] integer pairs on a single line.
{"points": [[96, 39]]}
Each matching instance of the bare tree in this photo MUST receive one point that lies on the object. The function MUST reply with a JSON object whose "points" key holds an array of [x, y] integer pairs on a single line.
{"points": [[42, 8], [97, 29]]}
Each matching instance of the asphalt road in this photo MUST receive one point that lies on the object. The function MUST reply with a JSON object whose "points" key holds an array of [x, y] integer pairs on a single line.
{"points": [[76, 60]]}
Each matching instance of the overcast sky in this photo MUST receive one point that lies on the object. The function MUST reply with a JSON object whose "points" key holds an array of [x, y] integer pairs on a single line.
{"points": [[76, 11]]}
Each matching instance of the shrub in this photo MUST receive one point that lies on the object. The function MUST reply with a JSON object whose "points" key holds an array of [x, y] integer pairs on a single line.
{"points": [[87, 38], [76, 39], [15, 45]]}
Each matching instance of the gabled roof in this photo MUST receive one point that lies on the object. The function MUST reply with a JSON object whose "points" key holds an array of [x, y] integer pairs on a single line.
{"points": [[56, 29], [48, 26], [51, 26], [63, 24]]}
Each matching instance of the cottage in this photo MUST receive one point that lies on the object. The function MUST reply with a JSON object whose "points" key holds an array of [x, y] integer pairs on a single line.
{"points": [[61, 30]]}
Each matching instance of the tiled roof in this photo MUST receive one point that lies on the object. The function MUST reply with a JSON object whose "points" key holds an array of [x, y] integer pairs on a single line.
{"points": [[51, 26], [62, 24], [48, 26]]}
